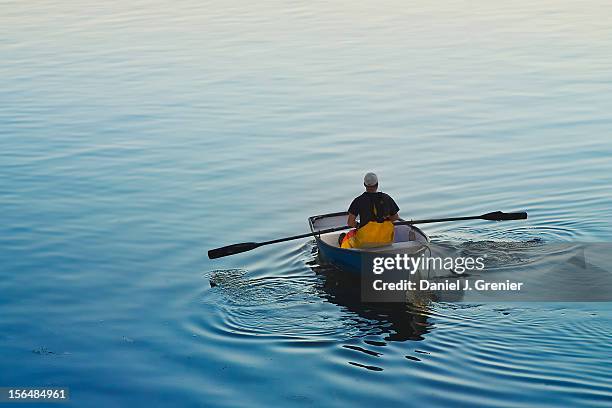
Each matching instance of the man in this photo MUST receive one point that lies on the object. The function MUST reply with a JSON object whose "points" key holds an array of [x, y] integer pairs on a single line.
{"points": [[376, 211]]}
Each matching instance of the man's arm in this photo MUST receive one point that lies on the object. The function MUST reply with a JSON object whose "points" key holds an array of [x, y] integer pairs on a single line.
{"points": [[393, 217], [394, 210], [352, 221]]}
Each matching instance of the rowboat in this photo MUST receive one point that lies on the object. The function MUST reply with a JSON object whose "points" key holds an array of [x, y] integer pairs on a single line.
{"points": [[408, 239]]}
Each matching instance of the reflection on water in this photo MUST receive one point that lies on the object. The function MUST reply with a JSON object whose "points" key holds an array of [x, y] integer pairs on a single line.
{"points": [[279, 306], [390, 321]]}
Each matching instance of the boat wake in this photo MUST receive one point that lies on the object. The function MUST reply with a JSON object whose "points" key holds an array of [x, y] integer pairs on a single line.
{"points": [[286, 307]]}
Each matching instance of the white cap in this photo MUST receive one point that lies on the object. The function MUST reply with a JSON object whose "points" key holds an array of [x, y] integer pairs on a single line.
{"points": [[370, 179]]}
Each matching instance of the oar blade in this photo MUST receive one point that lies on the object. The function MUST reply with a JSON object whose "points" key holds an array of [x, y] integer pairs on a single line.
{"points": [[502, 216], [231, 249]]}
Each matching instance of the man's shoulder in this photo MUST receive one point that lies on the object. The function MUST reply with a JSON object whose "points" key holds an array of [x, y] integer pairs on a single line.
{"points": [[355, 204], [387, 198], [359, 197]]}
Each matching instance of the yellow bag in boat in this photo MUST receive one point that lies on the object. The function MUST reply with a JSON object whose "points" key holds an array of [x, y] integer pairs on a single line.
{"points": [[349, 239], [373, 234]]}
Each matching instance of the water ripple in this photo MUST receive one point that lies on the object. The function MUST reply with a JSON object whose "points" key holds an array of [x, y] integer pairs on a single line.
{"points": [[279, 306]]}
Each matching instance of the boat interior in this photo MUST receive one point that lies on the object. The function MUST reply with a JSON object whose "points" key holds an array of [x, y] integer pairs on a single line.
{"points": [[405, 236]]}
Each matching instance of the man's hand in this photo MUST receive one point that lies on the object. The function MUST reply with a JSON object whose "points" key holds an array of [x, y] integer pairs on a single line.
{"points": [[393, 217], [352, 221]]}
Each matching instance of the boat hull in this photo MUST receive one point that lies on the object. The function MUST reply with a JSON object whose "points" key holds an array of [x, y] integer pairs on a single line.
{"points": [[342, 258]]}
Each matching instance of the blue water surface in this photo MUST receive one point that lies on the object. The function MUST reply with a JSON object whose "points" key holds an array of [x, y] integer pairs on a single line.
{"points": [[135, 136]]}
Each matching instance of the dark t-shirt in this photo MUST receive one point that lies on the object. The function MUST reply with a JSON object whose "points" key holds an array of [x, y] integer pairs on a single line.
{"points": [[373, 207]]}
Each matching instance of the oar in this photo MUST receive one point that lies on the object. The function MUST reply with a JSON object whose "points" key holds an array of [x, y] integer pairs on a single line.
{"points": [[492, 216], [247, 246]]}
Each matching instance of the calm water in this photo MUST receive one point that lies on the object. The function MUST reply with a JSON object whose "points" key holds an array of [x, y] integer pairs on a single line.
{"points": [[135, 136]]}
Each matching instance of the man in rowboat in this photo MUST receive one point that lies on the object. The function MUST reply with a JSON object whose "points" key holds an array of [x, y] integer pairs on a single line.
{"points": [[376, 211]]}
